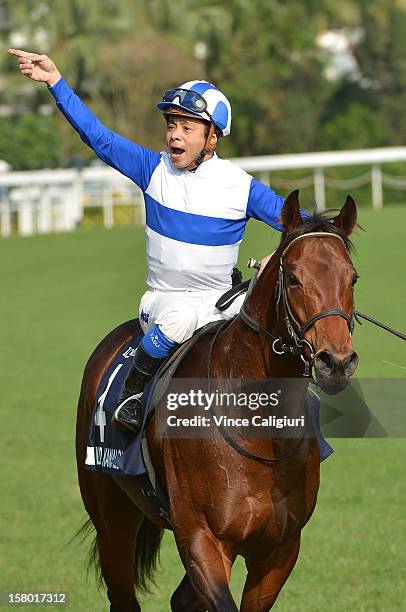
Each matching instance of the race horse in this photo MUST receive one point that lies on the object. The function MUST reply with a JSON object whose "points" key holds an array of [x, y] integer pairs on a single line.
{"points": [[228, 497]]}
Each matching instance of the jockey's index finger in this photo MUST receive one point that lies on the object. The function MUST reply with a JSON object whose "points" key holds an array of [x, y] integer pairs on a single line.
{"points": [[20, 53]]}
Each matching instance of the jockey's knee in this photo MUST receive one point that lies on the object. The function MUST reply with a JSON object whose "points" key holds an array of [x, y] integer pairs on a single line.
{"points": [[179, 322]]}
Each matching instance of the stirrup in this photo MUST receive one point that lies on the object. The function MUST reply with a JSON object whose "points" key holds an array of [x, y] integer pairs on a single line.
{"points": [[126, 417]]}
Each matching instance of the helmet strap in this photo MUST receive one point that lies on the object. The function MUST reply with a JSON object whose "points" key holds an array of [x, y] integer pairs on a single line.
{"points": [[208, 146]]}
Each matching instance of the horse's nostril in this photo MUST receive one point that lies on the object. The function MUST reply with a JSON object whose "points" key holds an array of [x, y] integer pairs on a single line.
{"points": [[323, 361], [350, 363]]}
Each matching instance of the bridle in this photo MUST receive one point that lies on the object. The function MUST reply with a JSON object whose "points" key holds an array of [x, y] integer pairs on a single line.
{"points": [[297, 344]]}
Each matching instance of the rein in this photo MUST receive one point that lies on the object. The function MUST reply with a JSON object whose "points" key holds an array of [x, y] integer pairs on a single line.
{"points": [[360, 315], [297, 343]]}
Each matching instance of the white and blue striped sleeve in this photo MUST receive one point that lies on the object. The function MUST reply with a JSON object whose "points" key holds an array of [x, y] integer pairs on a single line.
{"points": [[130, 159]]}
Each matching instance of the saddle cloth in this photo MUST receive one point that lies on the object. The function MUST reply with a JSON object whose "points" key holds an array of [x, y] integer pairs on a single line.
{"points": [[107, 442], [119, 452], [111, 449]]}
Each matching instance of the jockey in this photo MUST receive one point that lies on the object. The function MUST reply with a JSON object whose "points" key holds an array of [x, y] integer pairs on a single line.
{"points": [[197, 207]]}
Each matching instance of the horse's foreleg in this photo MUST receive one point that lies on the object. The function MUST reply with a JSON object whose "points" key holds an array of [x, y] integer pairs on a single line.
{"points": [[208, 566], [265, 580], [185, 598]]}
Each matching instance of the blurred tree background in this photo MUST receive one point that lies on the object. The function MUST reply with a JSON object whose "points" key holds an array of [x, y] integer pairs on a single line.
{"points": [[302, 75]]}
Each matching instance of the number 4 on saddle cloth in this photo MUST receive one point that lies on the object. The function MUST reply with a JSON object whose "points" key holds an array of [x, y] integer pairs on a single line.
{"points": [[113, 450]]}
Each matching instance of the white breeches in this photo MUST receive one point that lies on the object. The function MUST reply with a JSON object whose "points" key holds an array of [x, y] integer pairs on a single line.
{"points": [[180, 314]]}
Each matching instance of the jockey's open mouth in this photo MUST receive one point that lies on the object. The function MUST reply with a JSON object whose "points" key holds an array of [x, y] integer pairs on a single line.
{"points": [[176, 152]]}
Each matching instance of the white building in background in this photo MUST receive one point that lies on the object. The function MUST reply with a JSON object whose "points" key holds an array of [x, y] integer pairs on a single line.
{"points": [[339, 45]]}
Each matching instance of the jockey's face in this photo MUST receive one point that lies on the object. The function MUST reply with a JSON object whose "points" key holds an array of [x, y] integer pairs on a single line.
{"points": [[185, 138]]}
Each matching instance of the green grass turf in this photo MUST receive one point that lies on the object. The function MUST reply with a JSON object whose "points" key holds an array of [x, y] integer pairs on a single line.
{"points": [[59, 296]]}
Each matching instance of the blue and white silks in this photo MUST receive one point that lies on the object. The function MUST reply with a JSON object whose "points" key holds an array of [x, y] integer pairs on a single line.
{"points": [[195, 221]]}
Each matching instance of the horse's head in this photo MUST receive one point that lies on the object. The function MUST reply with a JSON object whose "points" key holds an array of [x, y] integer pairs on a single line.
{"points": [[316, 289]]}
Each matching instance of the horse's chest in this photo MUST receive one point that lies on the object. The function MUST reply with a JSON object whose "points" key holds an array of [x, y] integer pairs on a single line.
{"points": [[272, 518], [276, 508]]}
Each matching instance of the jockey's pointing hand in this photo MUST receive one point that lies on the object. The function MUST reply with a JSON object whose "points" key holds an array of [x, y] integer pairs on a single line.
{"points": [[37, 67]]}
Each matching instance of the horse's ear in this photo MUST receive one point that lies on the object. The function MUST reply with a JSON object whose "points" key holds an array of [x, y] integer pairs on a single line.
{"points": [[290, 215], [346, 220]]}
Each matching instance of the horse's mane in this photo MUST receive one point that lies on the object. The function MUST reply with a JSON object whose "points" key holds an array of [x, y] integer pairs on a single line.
{"points": [[317, 222]]}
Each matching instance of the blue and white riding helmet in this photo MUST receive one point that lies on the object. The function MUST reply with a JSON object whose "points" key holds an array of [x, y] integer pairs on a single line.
{"points": [[202, 99]]}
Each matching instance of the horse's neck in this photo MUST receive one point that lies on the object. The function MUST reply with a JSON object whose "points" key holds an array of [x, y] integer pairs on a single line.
{"points": [[251, 354], [244, 354]]}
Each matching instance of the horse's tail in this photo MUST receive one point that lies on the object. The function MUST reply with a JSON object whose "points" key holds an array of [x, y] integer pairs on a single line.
{"points": [[93, 558], [146, 553]]}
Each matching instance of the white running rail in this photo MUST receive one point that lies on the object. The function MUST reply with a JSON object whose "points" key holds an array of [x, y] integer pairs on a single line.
{"points": [[45, 201]]}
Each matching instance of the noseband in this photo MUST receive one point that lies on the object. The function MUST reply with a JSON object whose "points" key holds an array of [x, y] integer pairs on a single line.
{"points": [[297, 343]]}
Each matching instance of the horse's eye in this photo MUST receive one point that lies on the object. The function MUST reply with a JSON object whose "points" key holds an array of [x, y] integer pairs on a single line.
{"points": [[291, 279], [354, 279]]}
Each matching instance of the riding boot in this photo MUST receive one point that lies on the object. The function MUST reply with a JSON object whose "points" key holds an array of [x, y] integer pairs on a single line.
{"points": [[128, 414]]}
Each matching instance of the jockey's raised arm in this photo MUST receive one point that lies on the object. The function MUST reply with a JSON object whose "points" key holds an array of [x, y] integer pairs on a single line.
{"points": [[130, 159]]}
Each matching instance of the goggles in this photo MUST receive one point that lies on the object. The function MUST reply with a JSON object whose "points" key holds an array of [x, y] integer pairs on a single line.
{"points": [[190, 100]]}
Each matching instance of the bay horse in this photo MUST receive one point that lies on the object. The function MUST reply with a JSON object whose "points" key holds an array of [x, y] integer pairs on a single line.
{"points": [[251, 499]]}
